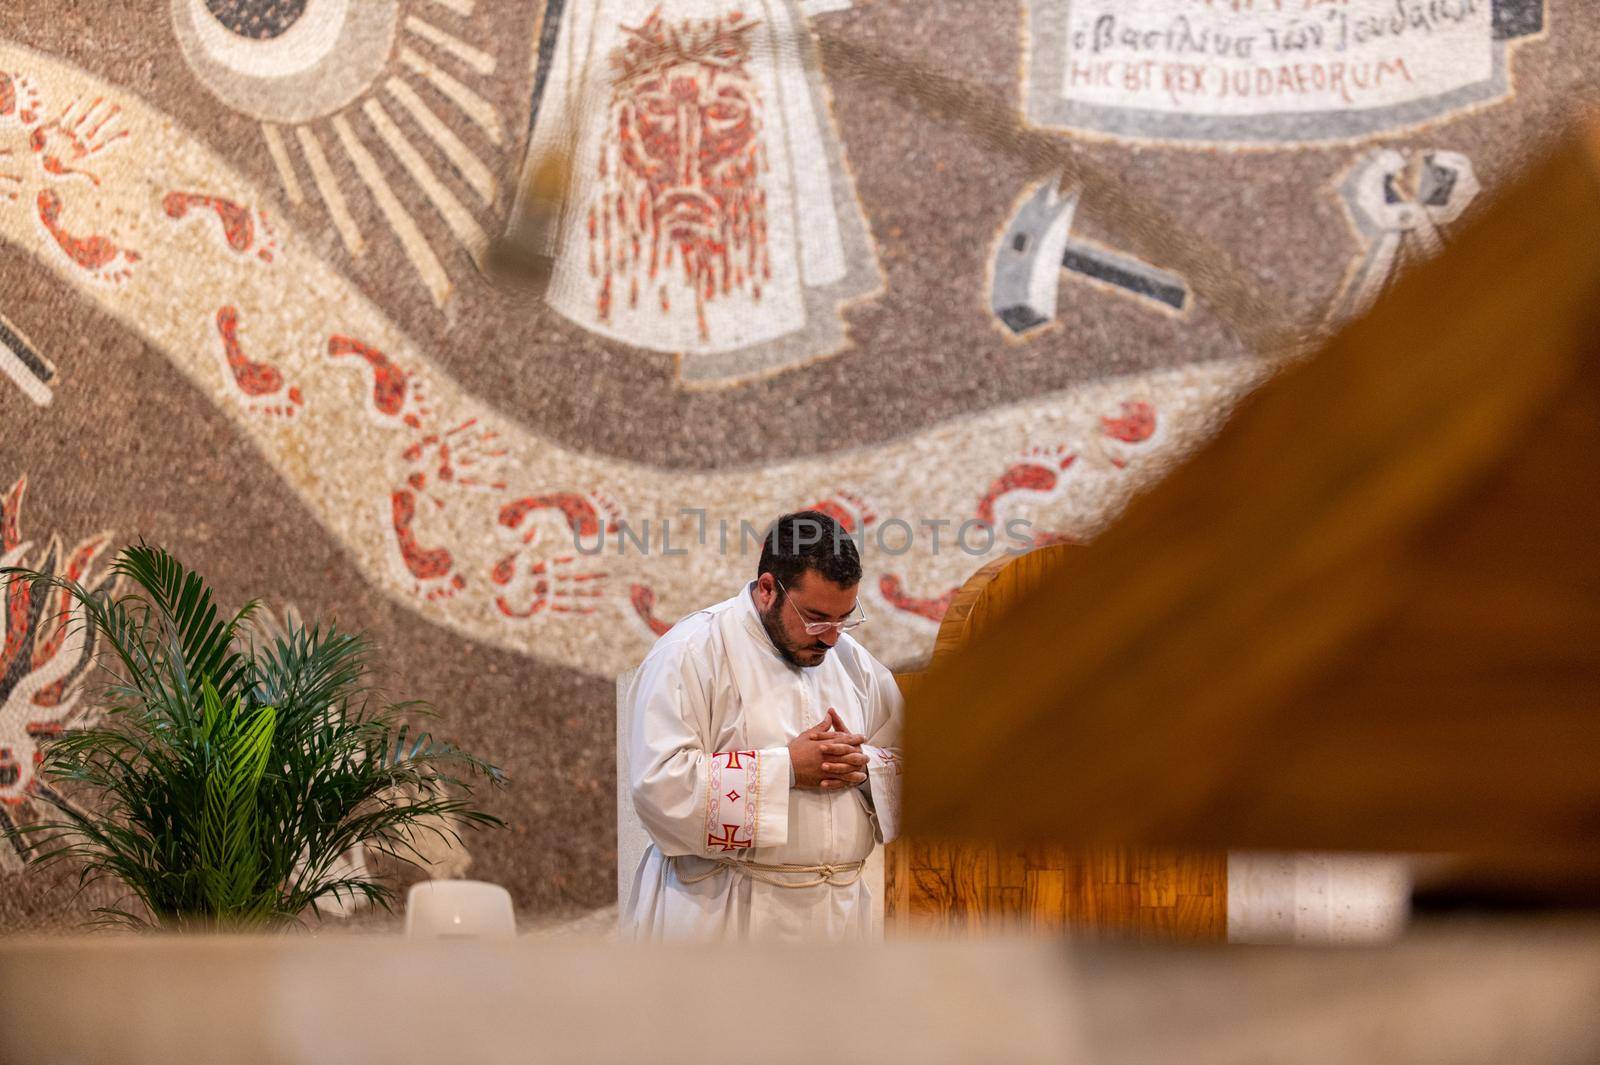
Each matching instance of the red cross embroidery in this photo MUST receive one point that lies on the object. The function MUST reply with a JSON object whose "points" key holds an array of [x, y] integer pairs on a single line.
{"points": [[732, 796], [733, 758], [726, 840]]}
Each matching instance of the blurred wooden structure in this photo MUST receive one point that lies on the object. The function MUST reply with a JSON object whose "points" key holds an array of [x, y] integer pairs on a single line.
{"points": [[1486, 994], [1365, 616], [934, 887]]}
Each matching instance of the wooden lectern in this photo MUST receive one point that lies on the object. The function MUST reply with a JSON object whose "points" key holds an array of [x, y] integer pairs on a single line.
{"points": [[1366, 616]]}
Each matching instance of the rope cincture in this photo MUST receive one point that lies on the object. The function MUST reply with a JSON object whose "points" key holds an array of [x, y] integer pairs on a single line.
{"points": [[773, 874]]}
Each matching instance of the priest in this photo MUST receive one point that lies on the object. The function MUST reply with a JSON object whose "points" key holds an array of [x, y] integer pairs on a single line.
{"points": [[764, 755]]}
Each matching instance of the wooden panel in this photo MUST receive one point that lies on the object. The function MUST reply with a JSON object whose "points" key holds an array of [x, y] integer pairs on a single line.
{"points": [[972, 889], [1008, 869], [1156, 873], [966, 889], [1044, 899], [902, 894], [969, 881], [1201, 917]]}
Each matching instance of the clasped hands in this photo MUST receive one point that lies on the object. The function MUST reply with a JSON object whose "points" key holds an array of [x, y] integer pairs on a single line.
{"points": [[828, 756]]}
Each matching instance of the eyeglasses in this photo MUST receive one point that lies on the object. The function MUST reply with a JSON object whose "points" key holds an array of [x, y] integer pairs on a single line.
{"points": [[817, 628]]}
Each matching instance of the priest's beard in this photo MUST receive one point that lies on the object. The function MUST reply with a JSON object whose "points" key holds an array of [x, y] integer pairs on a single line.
{"points": [[801, 655]]}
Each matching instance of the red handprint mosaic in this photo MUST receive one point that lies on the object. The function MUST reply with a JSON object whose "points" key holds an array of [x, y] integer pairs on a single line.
{"points": [[65, 144]]}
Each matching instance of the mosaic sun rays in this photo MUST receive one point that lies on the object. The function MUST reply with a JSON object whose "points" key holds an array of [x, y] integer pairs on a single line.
{"points": [[349, 100]]}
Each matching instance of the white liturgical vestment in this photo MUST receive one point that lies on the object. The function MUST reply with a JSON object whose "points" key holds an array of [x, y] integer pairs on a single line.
{"points": [[714, 709]]}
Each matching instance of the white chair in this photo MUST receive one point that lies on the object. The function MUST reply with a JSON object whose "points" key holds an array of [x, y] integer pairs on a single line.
{"points": [[459, 909]]}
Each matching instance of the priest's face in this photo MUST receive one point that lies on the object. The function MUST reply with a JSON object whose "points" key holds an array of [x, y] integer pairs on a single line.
{"points": [[812, 597]]}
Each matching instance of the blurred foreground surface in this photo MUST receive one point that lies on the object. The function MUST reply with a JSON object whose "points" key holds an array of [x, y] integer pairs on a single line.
{"points": [[1462, 991]]}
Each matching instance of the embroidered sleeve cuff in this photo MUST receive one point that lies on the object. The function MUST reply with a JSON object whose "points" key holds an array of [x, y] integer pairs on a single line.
{"points": [[747, 800], [883, 782], [772, 822]]}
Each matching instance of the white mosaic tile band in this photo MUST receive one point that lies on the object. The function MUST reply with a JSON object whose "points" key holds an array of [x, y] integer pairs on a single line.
{"points": [[472, 519]]}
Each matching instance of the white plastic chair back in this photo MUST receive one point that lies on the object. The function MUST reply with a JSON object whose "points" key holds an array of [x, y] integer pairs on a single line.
{"points": [[459, 909]]}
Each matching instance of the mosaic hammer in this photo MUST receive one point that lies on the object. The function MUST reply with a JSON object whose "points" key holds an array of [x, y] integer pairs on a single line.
{"points": [[1037, 245]]}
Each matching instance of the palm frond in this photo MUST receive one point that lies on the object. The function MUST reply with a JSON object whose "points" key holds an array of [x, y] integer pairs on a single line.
{"points": [[203, 644]]}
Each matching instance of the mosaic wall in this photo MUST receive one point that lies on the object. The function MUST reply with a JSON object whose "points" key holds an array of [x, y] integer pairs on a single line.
{"points": [[243, 310]]}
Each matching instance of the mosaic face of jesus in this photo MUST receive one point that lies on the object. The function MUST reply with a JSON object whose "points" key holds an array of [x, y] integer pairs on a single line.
{"points": [[681, 173], [689, 131]]}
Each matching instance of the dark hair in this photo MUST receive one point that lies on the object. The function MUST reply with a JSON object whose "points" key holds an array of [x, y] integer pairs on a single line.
{"points": [[809, 540]]}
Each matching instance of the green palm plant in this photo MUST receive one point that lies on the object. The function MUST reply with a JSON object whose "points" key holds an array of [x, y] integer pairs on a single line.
{"points": [[224, 780]]}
